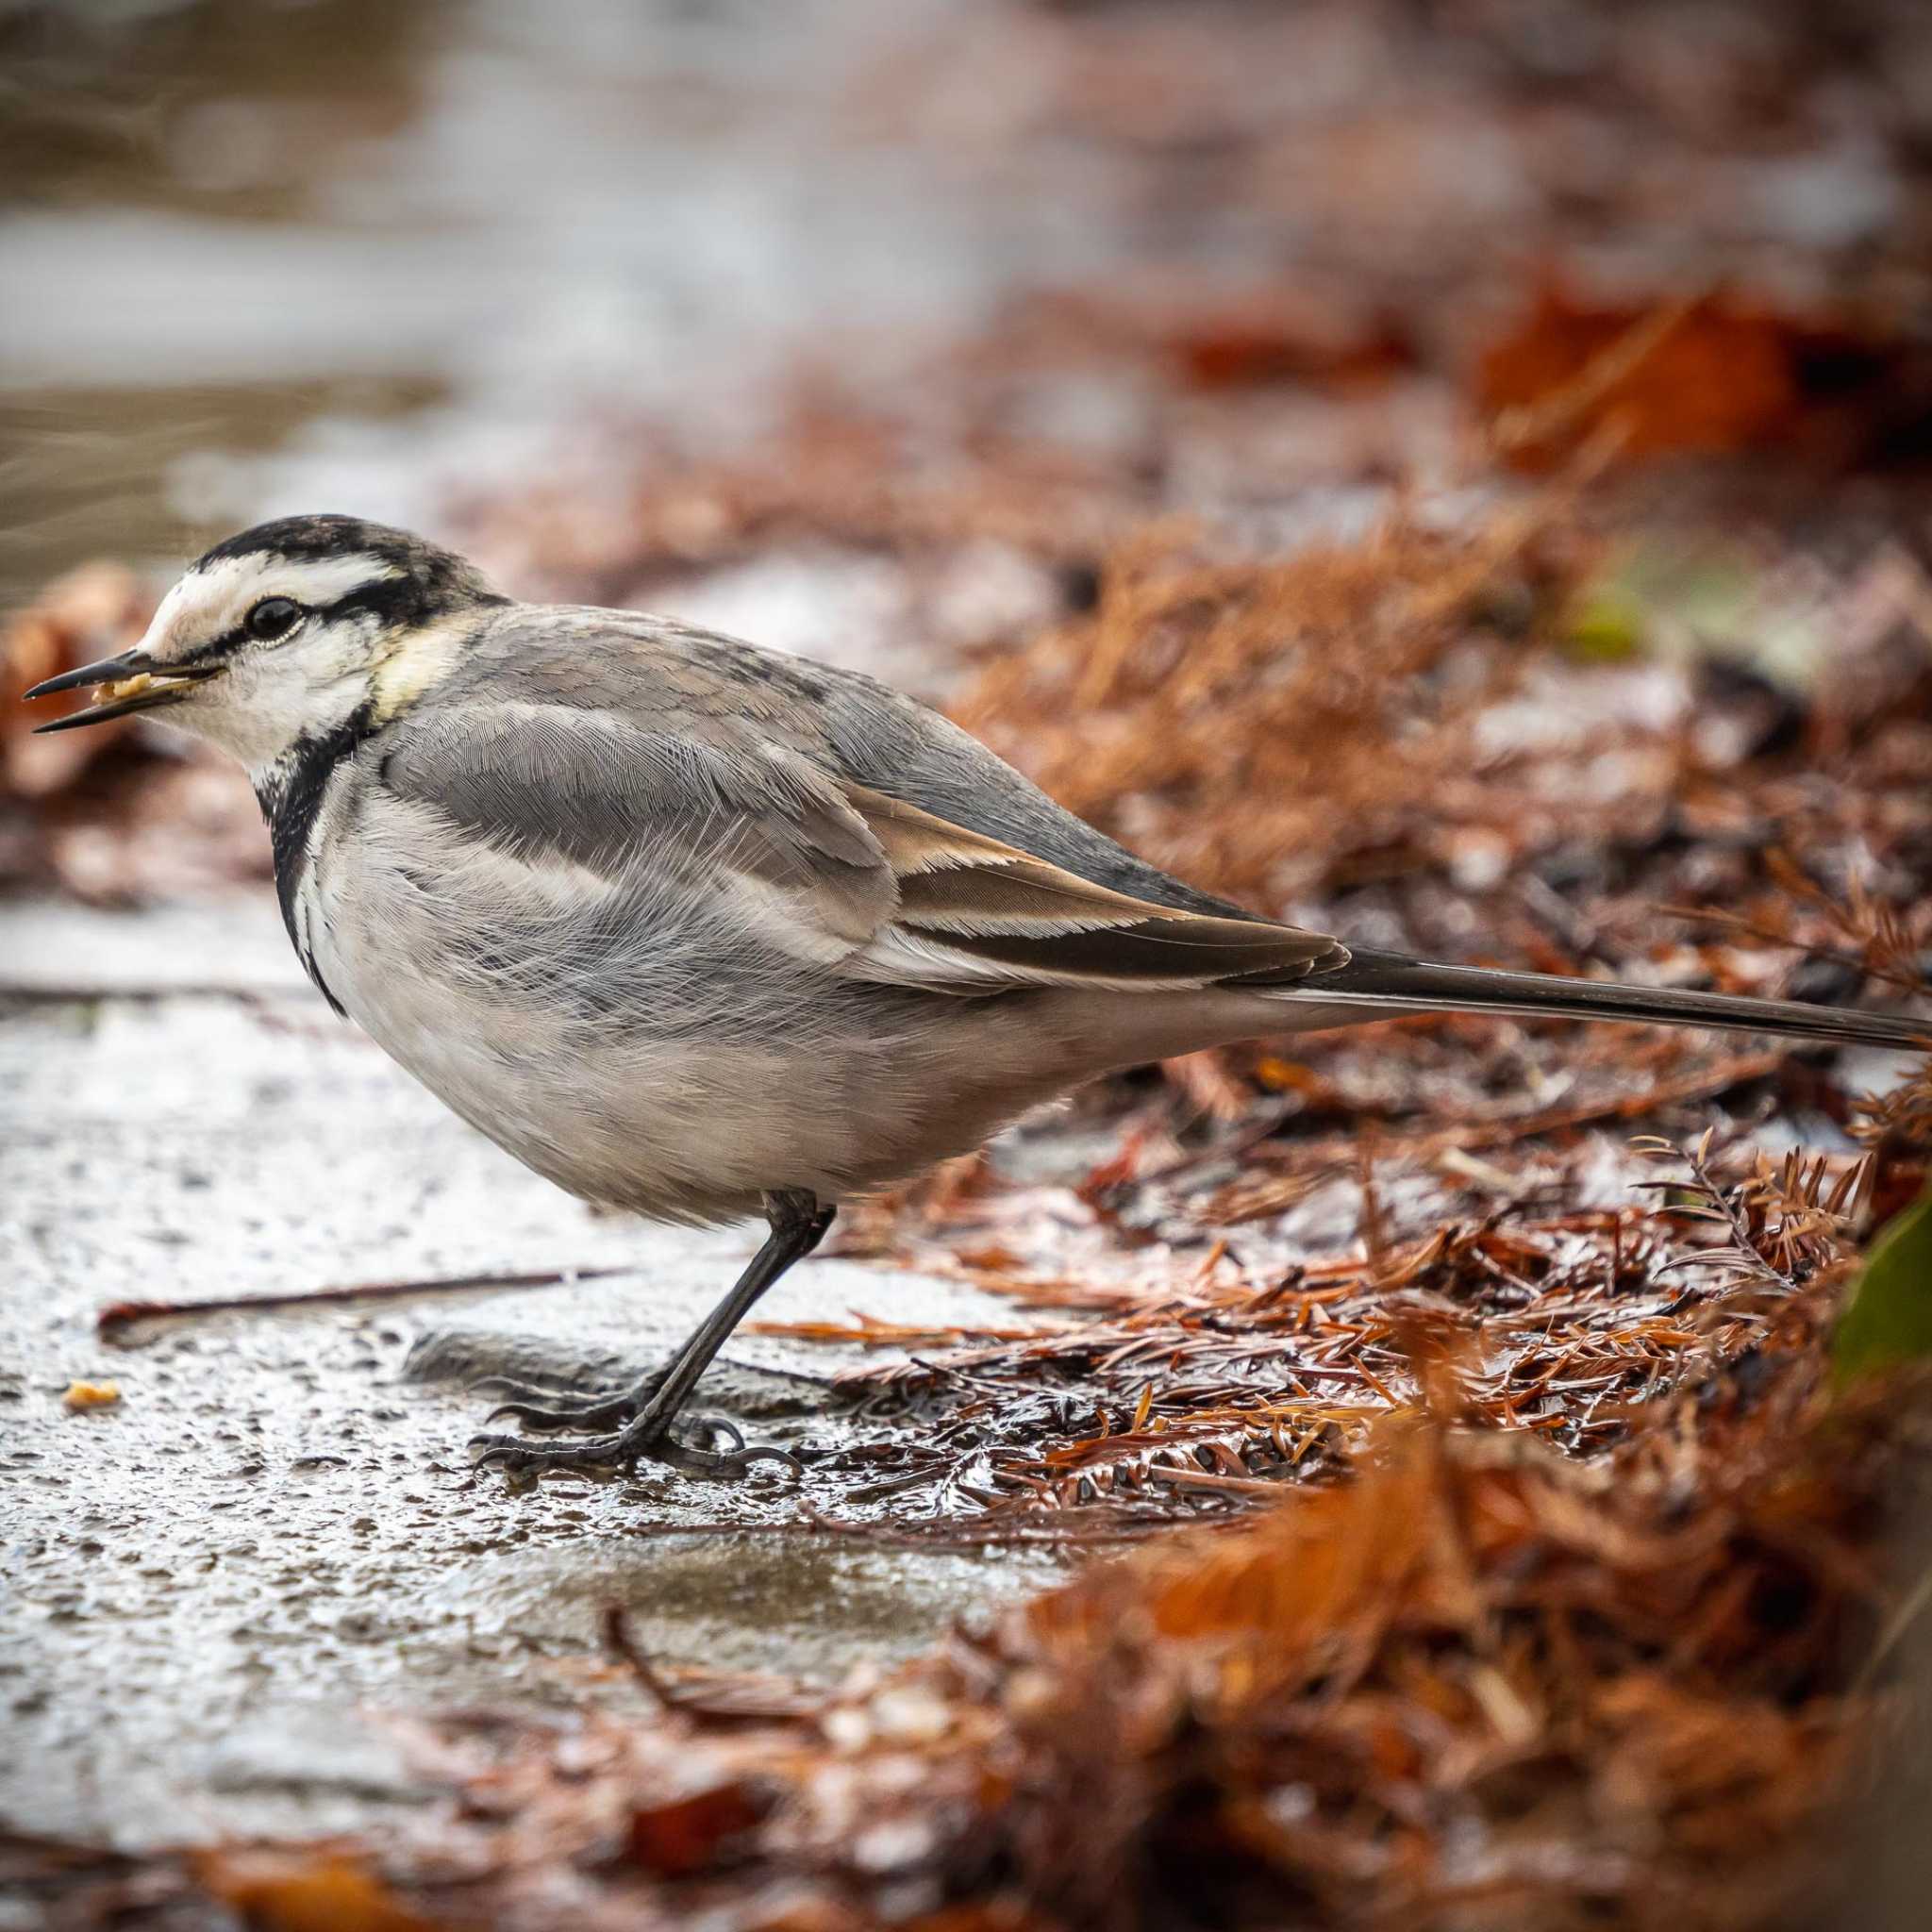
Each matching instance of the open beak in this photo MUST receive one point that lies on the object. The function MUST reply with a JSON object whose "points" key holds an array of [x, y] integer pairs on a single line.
{"points": [[131, 682]]}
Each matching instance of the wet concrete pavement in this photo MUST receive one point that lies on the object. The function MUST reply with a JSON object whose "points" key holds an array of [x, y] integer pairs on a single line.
{"points": [[213, 1588]]}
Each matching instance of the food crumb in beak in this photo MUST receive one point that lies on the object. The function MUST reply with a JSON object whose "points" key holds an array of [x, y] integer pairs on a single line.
{"points": [[129, 687]]}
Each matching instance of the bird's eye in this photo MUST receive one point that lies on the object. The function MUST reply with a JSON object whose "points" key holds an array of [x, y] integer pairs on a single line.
{"points": [[273, 617]]}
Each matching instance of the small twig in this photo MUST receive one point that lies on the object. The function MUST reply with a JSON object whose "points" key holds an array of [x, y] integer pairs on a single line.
{"points": [[1896, 1625], [1563, 407], [1905, 979], [119, 1316], [617, 1640], [1209, 1479]]}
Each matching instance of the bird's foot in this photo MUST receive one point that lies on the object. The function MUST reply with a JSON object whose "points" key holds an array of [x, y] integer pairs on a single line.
{"points": [[547, 1412], [645, 1437]]}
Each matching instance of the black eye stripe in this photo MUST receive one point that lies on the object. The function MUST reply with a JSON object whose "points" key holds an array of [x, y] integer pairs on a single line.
{"points": [[365, 598], [389, 600], [402, 599], [222, 646]]}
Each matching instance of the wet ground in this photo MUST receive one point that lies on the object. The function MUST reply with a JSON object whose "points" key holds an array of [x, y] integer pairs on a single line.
{"points": [[277, 1521]]}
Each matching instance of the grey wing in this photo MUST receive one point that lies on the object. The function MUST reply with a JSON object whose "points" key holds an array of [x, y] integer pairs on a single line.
{"points": [[882, 739], [684, 682], [689, 831], [740, 824]]}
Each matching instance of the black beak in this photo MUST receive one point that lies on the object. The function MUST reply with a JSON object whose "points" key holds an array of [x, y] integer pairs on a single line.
{"points": [[153, 685]]}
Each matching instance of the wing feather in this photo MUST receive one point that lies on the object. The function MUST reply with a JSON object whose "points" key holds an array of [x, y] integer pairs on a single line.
{"points": [[974, 913], [810, 863]]}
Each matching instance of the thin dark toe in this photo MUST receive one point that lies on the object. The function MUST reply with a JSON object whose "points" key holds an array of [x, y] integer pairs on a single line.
{"points": [[517, 1455], [592, 1416], [721, 1466], [549, 1410], [718, 1425], [600, 1455]]}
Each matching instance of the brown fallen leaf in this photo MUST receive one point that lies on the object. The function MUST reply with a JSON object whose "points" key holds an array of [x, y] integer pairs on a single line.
{"points": [[95, 612], [304, 1890], [1707, 375], [1710, 374], [694, 1833], [1243, 347]]}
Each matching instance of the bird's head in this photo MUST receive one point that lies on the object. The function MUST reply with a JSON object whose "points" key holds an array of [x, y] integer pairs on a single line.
{"points": [[295, 630]]}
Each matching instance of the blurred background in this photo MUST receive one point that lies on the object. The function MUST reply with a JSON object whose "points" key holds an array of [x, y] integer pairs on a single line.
{"points": [[866, 326]]}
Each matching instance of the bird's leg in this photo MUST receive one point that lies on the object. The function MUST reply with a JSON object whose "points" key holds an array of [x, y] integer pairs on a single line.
{"points": [[798, 1224]]}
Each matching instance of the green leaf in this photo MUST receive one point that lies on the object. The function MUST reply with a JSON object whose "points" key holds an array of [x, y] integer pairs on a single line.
{"points": [[1671, 598], [1889, 1316], [1606, 625]]}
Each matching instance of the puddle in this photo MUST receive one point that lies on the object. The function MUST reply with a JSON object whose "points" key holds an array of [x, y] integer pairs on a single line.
{"points": [[739, 1603], [232, 232]]}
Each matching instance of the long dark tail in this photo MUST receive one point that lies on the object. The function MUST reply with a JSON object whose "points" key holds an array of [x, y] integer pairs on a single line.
{"points": [[1389, 979]]}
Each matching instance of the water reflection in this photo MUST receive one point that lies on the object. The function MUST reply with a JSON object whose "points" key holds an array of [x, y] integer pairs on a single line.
{"points": [[223, 219]]}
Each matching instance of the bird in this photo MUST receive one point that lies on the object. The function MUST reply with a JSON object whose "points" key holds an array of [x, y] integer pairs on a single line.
{"points": [[704, 931]]}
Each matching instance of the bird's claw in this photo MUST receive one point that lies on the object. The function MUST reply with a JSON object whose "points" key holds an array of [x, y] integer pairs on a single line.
{"points": [[591, 1415], [644, 1439], [547, 1410]]}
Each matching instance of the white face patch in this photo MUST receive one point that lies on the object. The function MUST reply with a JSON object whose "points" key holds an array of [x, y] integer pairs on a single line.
{"points": [[210, 602], [378, 617], [270, 692]]}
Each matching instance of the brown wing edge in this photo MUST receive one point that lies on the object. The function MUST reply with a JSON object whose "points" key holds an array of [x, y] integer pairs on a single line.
{"points": [[967, 894]]}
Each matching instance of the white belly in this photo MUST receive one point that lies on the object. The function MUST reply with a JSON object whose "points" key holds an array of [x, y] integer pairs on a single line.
{"points": [[623, 1064]]}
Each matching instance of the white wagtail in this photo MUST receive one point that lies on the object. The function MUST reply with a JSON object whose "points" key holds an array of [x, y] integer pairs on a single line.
{"points": [[702, 930]]}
